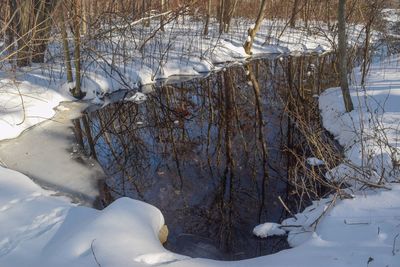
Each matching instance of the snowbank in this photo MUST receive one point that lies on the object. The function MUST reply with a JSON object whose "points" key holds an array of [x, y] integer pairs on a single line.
{"points": [[39, 229], [370, 133]]}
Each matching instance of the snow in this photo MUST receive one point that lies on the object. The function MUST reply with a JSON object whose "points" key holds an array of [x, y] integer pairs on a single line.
{"points": [[369, 134], [315, 162], [24, 102], [137, 98], [268, 229], [48, 153], [39, 229]]}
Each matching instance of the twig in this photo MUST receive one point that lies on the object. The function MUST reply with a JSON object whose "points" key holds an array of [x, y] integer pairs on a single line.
{"points": [[94, 255], [394, 245], [286, 207], [355, 223], [23, 106]]}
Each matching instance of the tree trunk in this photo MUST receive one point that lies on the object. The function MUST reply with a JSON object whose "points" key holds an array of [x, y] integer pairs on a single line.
{"points": [[366, 53], [162, 17], [343, 57], [9, 34], [230, 10], [208, 16], [221, 15], [67, 57], [294, 13], [22, 22], [76, 91], [253, 31], [42, 28]]}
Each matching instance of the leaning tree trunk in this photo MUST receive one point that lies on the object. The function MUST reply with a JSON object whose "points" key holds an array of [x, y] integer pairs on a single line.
{"points": [[343, 57], [253, 31]]}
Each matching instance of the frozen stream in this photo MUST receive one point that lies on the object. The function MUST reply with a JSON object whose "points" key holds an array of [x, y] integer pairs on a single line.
{"points": [[48, 154]]}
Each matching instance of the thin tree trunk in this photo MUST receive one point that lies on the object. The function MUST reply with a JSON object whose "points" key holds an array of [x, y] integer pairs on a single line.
{"points": [[221, 16], [76, 91], [162, 17], [67, 57], [9, 30], [230, 10], [42, 28], [343, 56], [366, 53], [22, 24], [253, 31], [294, 13], [208, 16]]}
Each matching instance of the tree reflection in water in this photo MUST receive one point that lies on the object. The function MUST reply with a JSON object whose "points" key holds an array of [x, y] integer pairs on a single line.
{"points": [[207, 153]]}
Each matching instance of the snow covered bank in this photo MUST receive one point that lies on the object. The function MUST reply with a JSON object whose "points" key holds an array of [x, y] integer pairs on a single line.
{"points": [[30, 95], [369, 134], [49, 154], [25, 100], [42, 230]]}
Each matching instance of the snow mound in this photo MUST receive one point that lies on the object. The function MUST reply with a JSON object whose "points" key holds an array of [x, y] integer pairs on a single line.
{"points": [[268, 229]]}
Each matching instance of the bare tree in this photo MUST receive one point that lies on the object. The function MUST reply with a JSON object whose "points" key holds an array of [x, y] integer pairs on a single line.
{"points": [[253, 31], [344, 84], [295, 10], [76, 91], [208, 16], [22, 22], [42, 27], [67, 56]]}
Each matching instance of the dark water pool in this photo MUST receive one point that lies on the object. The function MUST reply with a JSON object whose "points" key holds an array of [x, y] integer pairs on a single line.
{"points": [[209, 153]]}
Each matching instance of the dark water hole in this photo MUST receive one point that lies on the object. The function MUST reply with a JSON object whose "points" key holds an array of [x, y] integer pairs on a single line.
{"points": [[209, 152]]}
